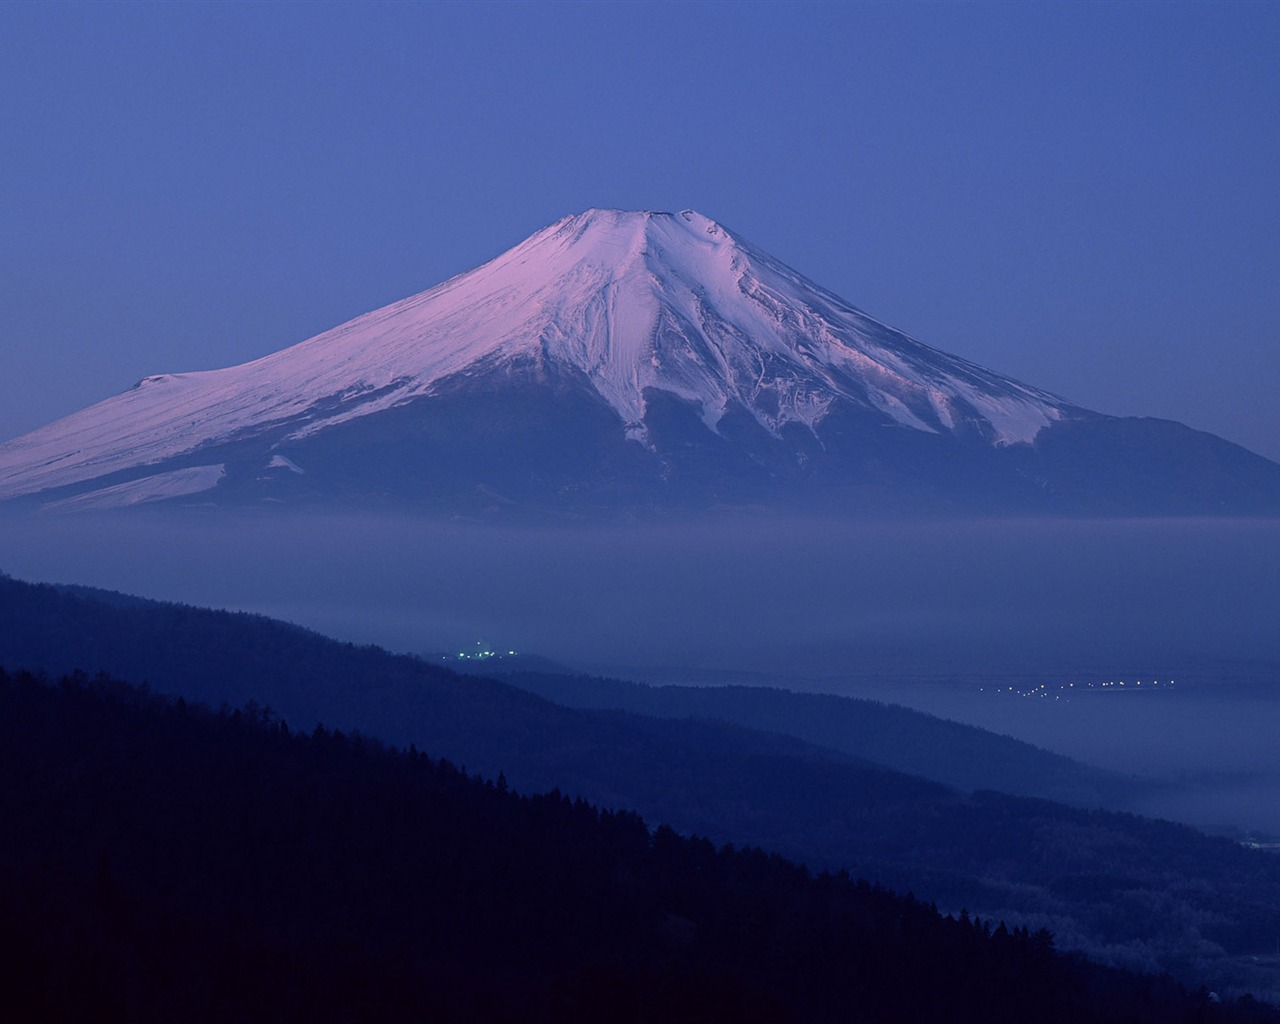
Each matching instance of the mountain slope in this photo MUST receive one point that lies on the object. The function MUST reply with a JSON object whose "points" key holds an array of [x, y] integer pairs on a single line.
{"points": [[1128, 890], [180, 865], [612, 360]]}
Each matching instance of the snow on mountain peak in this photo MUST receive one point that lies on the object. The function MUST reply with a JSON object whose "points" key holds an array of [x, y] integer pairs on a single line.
{"points": [[627, 301]]}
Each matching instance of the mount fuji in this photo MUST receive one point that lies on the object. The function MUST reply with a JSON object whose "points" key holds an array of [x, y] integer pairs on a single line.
{"points": [[624, 363]]}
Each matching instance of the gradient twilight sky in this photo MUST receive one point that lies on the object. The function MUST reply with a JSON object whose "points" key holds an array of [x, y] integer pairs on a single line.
{"points": [[1082, 196]]}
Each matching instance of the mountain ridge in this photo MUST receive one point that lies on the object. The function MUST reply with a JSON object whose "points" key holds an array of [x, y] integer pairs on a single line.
{"points": [[641, 359], [1191, 903]]}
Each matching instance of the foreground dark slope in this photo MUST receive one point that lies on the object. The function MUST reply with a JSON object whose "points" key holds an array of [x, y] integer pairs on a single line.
{"points": [[1137, 892], [160, 862]]}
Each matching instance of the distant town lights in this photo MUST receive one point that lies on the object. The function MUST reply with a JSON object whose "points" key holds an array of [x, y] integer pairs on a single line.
{"points": [[482, 653], [1061, 691]]}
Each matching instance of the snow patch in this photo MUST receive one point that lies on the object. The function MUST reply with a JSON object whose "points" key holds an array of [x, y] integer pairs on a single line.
{"points": [[280, 462], [176, 483]]}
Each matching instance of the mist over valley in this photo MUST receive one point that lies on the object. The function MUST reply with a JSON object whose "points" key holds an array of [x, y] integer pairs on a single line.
{"points": [[943, 617]]}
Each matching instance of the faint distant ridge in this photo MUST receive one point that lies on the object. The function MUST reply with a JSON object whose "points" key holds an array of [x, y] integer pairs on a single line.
{"points": [[623, 363], [889, 735]]}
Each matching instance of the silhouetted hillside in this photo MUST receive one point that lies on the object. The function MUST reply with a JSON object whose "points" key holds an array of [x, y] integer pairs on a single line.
{"points": [[1129, 891], [163, 863]]}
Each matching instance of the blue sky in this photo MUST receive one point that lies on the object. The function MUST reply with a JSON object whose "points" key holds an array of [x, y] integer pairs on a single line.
{"points": [[1083, 196]]}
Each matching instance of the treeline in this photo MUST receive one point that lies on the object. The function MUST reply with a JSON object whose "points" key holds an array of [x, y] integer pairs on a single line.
{"points": [[1130, 892], [162, 862]]}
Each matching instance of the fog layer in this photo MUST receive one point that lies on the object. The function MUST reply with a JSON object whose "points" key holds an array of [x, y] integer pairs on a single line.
{"points": [[946, 617]]}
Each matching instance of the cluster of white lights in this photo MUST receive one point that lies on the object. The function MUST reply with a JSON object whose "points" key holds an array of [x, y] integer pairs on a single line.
{"points": [[1064, 691], [482, 653]]}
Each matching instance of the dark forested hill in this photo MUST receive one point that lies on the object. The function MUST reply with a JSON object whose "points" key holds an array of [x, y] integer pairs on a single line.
{"points": [[160, 862], [1129, 891]]}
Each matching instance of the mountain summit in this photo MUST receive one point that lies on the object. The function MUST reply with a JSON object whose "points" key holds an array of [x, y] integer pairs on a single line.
{"points": [[620, 361]]}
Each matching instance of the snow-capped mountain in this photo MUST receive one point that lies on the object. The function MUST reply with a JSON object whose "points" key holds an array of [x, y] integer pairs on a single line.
{"points": [[612, 358]]}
